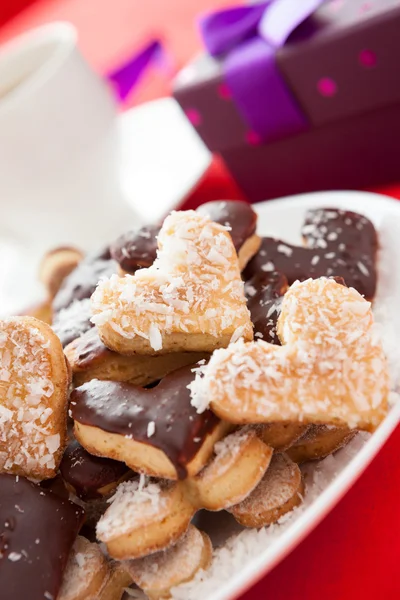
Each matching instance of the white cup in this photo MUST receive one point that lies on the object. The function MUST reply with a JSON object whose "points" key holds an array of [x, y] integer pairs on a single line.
{"points": [[59, 171]]}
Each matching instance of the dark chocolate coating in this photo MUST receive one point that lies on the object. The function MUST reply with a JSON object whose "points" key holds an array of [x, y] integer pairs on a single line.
{"points": [[82, 281], [138, 248], [37, 531], [264, 292], [89, 348], [128, 409], [87, 473], [236, 214], [340, 243], [72, 322]]}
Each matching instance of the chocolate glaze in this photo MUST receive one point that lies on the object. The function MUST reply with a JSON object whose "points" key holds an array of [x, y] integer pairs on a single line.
{"points": [[37, 531], [89, 348], [87, 473], [138, 248], [340, 243], [236, 214], [264, 293], [82, 281], [72, 322], [127, 409]]}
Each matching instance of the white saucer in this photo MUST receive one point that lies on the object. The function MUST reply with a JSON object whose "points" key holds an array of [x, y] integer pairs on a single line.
{"points": [[162, 158]]}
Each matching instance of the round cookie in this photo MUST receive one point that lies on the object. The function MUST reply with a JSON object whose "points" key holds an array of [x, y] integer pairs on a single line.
{"points": [[34, 382], [320, 441], [86, 572], [278, 493], [280, 436], [56, 265], [239, 463], [142, 520], [158, 573]]}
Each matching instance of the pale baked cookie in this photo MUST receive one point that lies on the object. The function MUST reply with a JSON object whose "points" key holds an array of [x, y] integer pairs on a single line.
{"points": [[281, 436], [330, 370], [190, 299], [86, 573], [34, 383], [279, 491], [89, 575], [158, 573], [144, 519], [91, 359], [154, 431], [238, 465], [56, 265], [320, 441], [118, 580]]}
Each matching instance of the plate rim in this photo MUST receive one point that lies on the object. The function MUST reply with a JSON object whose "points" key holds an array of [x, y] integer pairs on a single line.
{"points": [[261, 565]]}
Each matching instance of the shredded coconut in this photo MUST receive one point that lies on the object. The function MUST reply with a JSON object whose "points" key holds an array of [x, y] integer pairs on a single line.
{"points": [[129, 506], [27, 432], [194, 285]]}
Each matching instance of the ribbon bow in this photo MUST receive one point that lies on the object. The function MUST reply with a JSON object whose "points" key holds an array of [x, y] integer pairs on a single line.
{"points": [[247, 37]]}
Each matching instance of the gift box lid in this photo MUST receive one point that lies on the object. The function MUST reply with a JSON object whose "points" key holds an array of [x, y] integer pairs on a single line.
{"points": [[340, 62]]}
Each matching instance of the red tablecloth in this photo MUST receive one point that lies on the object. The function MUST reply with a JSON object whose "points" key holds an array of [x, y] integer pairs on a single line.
{"points": [[355, 551]]}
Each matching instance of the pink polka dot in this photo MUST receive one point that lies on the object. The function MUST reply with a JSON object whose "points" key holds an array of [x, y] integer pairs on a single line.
{"points": [[224, 92], [253, 139], [194, 116], [336, 5], [367, 58], [327, 87], [365, 7]]}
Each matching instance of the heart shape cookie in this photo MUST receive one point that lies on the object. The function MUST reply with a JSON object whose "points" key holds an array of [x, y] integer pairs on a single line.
{"points": [[34, 382], [191, 298], [331, 368], [338, 243]]}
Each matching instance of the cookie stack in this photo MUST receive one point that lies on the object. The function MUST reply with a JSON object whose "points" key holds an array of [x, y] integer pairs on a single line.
{"points": [[199, 365]]}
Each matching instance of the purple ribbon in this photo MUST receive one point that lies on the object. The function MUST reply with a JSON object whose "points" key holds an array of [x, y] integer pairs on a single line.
{"points": [[247, 38], [126, 77]]}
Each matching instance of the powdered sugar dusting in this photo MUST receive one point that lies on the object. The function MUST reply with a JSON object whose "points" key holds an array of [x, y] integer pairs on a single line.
{"points": [[230, 559], [160, 570], [130, 506], [277, 487], [194, 285], [84, 563]]}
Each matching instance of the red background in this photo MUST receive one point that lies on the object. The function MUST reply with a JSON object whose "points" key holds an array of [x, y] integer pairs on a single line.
{"points": [[355, 551]]}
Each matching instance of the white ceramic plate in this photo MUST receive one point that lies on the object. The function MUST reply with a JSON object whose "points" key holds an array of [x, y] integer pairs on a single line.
{"points": [[329, 480], [163, 158]]}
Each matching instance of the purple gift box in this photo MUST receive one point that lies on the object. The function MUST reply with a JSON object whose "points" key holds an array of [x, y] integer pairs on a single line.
{"points": [[299, 95]]}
